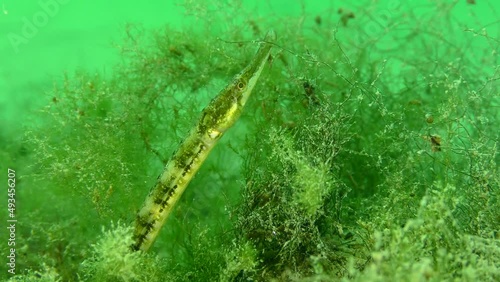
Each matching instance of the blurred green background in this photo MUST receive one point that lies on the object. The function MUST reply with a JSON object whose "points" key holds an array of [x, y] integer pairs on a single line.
{"points": [[74, 35], [78, 36], [41, 40]]}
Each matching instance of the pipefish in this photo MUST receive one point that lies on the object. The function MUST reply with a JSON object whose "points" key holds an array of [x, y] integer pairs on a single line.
{"points": [[220, 114]]}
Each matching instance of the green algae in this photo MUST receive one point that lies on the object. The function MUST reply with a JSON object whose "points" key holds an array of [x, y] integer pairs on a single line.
{"points": [[334, 173]]}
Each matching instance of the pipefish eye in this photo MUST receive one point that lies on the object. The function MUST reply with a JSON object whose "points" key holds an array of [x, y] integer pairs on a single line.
{"points": [[241, 85]]}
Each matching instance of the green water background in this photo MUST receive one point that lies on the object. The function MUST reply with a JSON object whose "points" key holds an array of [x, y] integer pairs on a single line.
{"points": [[79, 36]]}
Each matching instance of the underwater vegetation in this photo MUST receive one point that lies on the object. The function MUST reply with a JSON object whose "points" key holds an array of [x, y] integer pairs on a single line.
{"points": [[367, 152]]}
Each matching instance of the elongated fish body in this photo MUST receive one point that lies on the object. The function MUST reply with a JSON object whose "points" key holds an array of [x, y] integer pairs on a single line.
{"points": [[216, 118]]}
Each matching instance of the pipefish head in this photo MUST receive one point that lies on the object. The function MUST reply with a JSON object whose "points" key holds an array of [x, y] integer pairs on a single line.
{"points": [[226, 108], [247, 78]]}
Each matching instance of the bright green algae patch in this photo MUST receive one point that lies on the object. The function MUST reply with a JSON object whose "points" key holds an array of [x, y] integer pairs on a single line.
{"points": [[368, 152]]}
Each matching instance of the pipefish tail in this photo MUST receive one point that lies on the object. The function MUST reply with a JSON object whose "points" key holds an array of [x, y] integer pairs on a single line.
{"points": [[221, 113]]}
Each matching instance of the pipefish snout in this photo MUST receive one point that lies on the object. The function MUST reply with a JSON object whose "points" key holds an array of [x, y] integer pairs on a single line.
{"points": [[220, 114]]}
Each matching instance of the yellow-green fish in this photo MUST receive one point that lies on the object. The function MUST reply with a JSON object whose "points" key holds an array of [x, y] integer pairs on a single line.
{"points": [[216, 118]]}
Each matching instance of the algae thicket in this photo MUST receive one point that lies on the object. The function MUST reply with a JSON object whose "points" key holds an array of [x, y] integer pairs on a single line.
{"points": [[368, 151]]}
